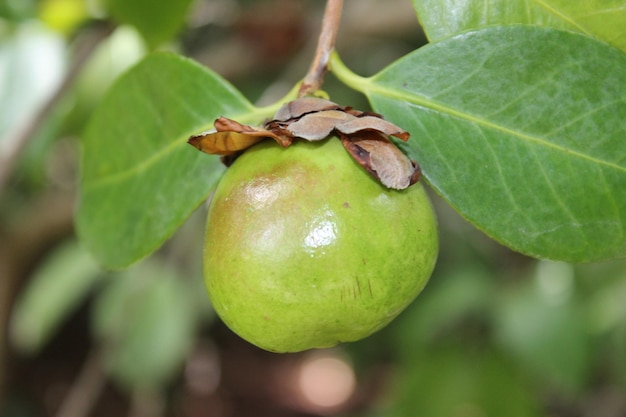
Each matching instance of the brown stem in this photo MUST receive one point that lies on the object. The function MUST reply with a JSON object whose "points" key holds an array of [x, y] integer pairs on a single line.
{"points": [[325, 45], [146, 404], [24, 240], [16, 143], [85, 390]]}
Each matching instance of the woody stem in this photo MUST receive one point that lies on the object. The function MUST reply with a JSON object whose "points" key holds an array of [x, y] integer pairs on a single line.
{"points": [[325, 45]]}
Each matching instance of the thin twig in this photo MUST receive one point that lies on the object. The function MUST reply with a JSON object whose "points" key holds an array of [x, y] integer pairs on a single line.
{"points": [[14, 145], [85, 390], [147, 404], [325, 45]]}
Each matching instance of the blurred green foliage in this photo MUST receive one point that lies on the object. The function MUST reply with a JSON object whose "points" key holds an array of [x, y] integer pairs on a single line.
{"points": [[493, 334]]}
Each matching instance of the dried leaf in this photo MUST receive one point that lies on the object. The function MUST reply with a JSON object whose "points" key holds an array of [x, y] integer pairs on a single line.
{"points": [[304, 105], [382, 159], [223, 143], [229, 137], [372, 123], [317, 126], [364, 134], [224, 124]]}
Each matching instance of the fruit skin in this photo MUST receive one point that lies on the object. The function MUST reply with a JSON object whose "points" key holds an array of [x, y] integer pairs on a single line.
{"points": [[304, 249]]}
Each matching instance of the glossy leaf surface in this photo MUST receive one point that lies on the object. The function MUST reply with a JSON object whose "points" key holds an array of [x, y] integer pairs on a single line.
{"points": [[527, 143], [140, 179], [603, 19]]}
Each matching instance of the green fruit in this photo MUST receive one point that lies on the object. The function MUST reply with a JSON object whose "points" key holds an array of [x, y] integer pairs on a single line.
{"points": [[304, 249]]}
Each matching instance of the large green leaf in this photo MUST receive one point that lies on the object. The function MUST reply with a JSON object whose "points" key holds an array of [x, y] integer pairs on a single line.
{"points": [[140, 179], [522, 130], [157, 23], [603, 19]]}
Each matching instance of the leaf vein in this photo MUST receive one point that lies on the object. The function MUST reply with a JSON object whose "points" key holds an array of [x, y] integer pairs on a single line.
{"points": [[145, 164], [380, 89], [545, 80], [120, 176], [555, 194], [561, 15], [507, 188], [584, 115]]}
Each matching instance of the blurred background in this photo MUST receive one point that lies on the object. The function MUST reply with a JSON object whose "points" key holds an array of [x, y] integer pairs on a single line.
{"points": [[494, 333]]}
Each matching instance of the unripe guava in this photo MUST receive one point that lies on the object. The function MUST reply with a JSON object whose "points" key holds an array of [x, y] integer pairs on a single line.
{"points": [[304, 249]]}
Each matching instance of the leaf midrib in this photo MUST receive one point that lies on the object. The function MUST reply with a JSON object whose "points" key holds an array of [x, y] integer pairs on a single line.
{"points": [[413, 98], [561, 15], [145, 164]]}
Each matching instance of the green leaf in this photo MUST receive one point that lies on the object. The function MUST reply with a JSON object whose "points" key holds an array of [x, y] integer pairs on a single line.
{"points": [[445, 305], [603, 19], [521, 129], [455, 381], [140, 179], [157, 23], [15, 12], [54, 291], [146, 323], [607, 310], [535, 321]]}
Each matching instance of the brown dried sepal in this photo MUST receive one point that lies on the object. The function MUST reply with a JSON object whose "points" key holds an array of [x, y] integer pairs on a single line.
{"points": [[382, 159], [365, 136], [230, 137], [297, 108]]}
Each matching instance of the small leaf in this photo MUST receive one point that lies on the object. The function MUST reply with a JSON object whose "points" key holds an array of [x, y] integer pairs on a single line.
{"points": [[55, 290], [140, 179], [535, 325], [157, 24], [526, 142], [603, 19], [146, 324]]}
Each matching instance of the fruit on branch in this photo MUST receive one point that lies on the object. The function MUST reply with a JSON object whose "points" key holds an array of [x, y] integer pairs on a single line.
{"points": [[319, 232], [304, 249]]}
